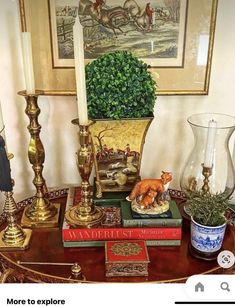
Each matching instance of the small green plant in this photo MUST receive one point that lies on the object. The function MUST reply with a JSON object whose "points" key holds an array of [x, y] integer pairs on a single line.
{"points": [[119, 85], [207, 209]]}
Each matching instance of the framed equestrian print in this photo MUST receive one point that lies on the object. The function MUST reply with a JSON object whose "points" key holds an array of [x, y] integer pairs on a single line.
{"points": [[174, 37], [109, 26]]}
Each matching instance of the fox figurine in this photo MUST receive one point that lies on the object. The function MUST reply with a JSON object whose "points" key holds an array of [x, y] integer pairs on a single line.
{"points": [[148, 190], [148, 199]]}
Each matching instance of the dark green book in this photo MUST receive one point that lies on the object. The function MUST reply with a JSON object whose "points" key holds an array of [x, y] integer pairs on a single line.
{"points": [[129, 221], [109, 199], [102, 243]]}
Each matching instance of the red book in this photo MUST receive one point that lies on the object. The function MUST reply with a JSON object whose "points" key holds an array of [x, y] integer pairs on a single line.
{"points": [[108, 234], [116, 231]]}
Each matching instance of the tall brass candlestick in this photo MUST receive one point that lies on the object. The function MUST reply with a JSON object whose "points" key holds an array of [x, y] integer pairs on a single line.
{"points": [[41, 213], [84, 214]]}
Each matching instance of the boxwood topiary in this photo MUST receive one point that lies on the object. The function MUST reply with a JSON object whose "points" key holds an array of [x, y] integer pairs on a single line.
{"points": [[119, 85]]}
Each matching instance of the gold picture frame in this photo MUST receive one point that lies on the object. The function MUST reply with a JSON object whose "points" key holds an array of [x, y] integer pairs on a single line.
{"points": [[191, 79]]}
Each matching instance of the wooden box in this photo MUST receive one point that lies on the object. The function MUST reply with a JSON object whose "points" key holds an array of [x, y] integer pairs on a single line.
{"points": [[126, 258]]}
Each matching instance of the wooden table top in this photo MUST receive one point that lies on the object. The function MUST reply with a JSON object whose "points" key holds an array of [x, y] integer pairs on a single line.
{"points": [[167, 264]]}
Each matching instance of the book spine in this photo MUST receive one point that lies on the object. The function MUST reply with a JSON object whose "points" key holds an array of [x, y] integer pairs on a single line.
{"points": [[69, 204], [108, 234], [83, 243], [102, 243], [163, 242], [135, 223]]}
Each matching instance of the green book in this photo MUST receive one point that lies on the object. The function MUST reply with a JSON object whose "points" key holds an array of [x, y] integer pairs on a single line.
{"points": [[110, 199], [129, 221], [102, 243]]}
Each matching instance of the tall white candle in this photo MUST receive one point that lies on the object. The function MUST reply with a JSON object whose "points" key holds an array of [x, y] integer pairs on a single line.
{"points": [[210, 143], [80, 72], [28, 62]]}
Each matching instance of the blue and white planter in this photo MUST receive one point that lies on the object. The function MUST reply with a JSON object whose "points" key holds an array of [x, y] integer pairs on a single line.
{"points": [[207, 239]]}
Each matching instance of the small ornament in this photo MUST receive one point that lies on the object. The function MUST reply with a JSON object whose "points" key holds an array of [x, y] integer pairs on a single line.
{"points": [[149, 196]]}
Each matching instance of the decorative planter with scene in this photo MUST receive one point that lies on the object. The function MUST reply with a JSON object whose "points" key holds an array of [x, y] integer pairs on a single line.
{"points": [[121, 94], [207, 239], [209, 218]]}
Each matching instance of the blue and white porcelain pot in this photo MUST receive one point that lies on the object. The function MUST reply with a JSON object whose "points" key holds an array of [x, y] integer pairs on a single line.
{"points": [[207, 239]]}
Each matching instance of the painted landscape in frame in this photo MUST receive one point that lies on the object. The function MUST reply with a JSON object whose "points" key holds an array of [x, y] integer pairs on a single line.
{"points": [[153, 31]]}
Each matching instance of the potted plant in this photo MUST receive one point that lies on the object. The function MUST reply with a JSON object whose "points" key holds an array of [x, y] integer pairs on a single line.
{"points": [[208, 223], [121, 95]]}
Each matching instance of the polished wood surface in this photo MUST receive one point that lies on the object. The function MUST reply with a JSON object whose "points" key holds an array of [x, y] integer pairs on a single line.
{"points": [[167, 264]]}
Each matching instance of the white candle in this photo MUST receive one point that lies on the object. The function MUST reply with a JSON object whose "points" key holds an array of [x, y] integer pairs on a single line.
{"points": [[28, 63], [210, 143], [80, 72]]}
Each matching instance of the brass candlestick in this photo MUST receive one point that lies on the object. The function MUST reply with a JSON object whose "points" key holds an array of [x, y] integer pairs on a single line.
{"points": [[206, 172], [85, 214], [13, 237], [41, 213]]}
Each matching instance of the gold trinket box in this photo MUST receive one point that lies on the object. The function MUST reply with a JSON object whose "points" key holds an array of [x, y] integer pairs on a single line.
{"points": [[126, 258]]}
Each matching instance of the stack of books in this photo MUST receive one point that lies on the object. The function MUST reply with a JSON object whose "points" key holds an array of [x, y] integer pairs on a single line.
{"points": [[119, 224]]}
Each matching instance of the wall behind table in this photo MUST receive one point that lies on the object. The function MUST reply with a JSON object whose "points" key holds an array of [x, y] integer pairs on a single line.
{"points": [[168, 141]]}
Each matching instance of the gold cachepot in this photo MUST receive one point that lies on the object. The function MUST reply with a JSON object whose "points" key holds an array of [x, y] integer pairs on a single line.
{"points": [[118, 147]]}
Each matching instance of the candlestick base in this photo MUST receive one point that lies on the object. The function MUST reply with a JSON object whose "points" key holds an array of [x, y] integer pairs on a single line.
{"points": [[15, 246], [41, 219], [75, 218], [13, 237]]}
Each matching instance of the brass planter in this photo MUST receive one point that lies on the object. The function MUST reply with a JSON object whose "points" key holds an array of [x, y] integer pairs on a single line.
{"points": [[118, 147]]}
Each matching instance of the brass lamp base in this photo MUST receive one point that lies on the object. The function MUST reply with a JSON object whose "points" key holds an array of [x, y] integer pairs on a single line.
{"points": [[34, 221], [74, 218], [16, 246]]}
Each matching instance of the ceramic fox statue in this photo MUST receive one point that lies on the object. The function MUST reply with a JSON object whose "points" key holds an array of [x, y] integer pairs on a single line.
{"points": [[148, 199], [147, 191]]}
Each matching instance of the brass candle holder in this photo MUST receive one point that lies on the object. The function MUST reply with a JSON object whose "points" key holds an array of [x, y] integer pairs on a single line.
{"points": [[84, 214], [13, 237], [40, 213], [206, 172]]}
